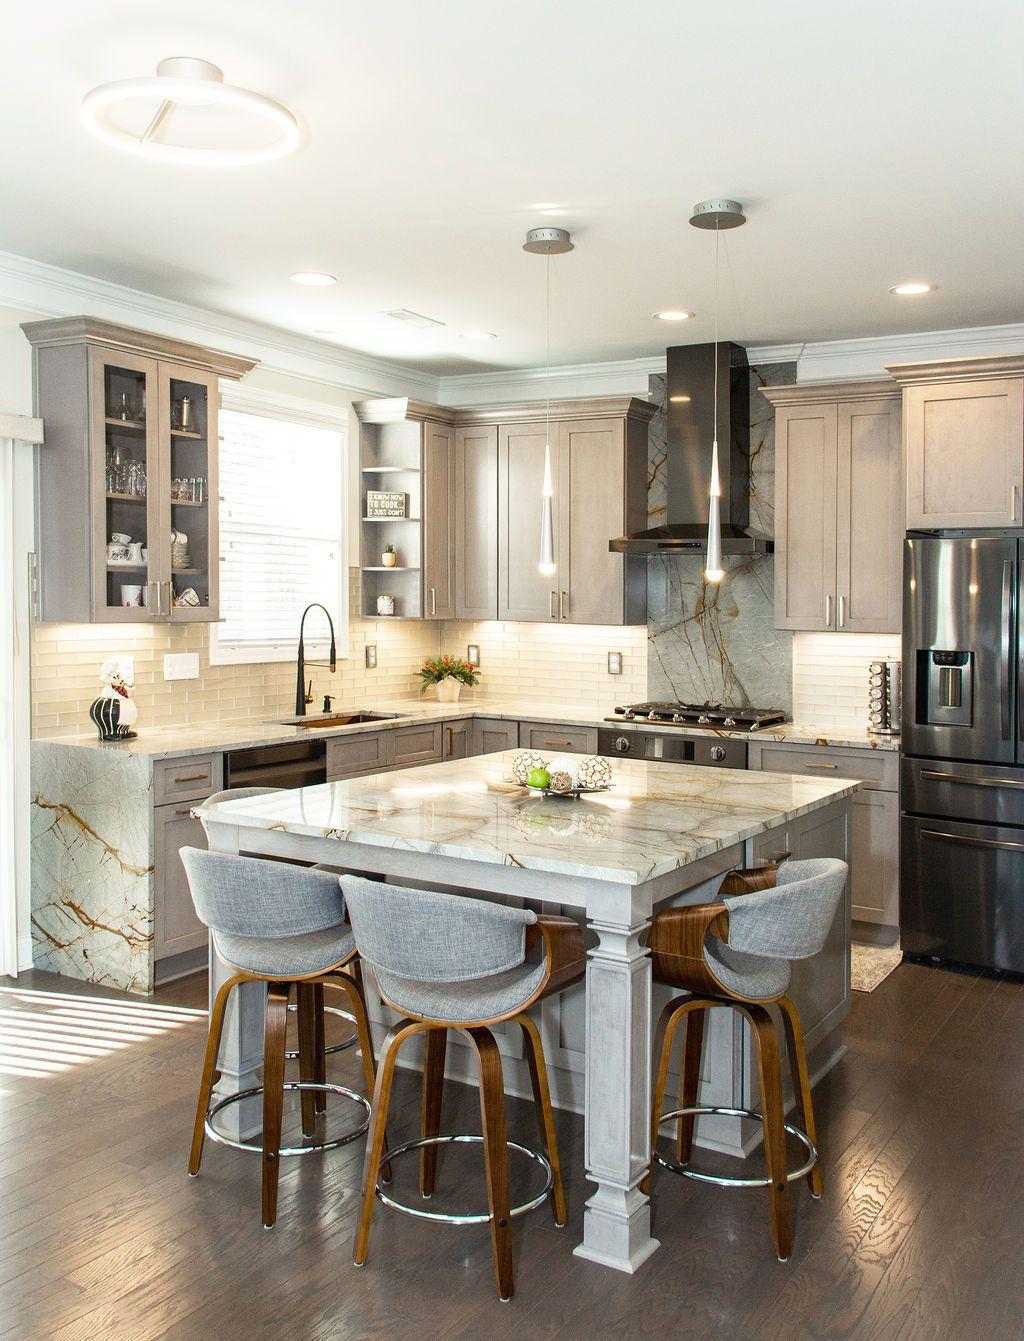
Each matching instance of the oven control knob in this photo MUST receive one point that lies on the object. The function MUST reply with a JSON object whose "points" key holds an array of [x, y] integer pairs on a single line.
{"points": [[718, 753], [622, 744]]}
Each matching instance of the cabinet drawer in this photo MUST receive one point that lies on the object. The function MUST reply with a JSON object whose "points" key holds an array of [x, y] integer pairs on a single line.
{"points": [[351, 755], [194, 778], [409, 745], [877, 769], [551, 736], [493, 734]]}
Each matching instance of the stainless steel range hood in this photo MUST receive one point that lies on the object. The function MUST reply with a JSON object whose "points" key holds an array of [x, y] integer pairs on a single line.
{"points": [[691, 382]]}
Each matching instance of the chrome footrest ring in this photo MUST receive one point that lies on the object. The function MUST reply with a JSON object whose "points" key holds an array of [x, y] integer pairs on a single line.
{"points": [[314, 1147], [391, 1155], [685, 1171], [349, 1042]]}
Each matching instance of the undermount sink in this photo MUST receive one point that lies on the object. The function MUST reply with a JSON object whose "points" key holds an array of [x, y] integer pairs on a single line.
{"points": [[322, 719]]}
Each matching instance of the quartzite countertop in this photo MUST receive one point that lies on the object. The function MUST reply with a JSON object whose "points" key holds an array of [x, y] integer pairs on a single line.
{"points": [[661, 835]]}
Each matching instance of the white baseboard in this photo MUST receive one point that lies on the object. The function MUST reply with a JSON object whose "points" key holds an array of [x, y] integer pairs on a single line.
{"points": [[24, 953]]}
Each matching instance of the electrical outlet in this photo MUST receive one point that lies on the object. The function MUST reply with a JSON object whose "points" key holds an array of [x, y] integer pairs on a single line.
{"points": [[371, 656], [473, 654], [614, 663], [181, 666]]}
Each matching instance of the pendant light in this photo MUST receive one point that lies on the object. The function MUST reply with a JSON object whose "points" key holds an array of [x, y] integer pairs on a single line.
{"points": [[547, 242], [716, 214]]}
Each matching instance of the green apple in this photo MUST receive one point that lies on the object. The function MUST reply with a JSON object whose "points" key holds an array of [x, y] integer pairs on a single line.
{"points": [[538, 778]]}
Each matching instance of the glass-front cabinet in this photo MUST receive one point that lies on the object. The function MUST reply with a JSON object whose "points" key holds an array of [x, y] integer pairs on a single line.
{"points": [[128, 474]]}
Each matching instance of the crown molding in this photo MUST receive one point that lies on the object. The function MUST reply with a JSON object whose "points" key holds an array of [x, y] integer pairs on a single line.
{"points": [[840, 360], [569, 381], [52, 291], [813, 393]]}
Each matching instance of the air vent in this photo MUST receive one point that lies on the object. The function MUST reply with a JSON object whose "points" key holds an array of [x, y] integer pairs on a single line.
{"points": [[416, 319]]}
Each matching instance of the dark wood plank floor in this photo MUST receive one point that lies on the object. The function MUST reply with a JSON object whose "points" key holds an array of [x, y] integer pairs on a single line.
{"points": [[102, 1234]]}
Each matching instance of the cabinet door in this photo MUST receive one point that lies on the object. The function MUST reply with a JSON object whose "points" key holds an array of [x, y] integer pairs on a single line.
{"points": [[874, 870], [475, 522], [177, 928], [127, 474], [492, 734], [438, 483], [869, 535], [456, 740], [189, 495], [964, 448], [590, 495], [351, 756], [410, 745], [523, 591], [805, 516]]}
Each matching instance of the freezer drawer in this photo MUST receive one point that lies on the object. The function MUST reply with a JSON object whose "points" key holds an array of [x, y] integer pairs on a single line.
{"points": [[980, 793], [962, 892]]}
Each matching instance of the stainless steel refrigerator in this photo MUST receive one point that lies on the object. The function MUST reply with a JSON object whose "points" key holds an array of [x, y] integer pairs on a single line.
{"points": [[962, 775]]}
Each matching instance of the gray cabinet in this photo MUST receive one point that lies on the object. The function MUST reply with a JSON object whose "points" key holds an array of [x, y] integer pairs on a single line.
{"points": [[176, 926], [457, 739], [838, 507], [554, 736], [407, 746], [131, 449], [524, 593], [475, 522], [491, 734], [438, 551], [874, 816], [352, 756], [963, 441]]}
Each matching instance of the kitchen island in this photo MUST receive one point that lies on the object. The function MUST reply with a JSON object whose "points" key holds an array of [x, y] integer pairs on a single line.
{"points": [[660, 835]]}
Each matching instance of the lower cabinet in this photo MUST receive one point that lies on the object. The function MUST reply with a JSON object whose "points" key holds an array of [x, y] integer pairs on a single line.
{"points": [[874, 817], [176, 926], [352, 756], [407, 746], [457, 739], [491, 734], [553, 736]]}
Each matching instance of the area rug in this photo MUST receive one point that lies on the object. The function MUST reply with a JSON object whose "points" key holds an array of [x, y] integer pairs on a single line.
{"points": [[872, 964]]}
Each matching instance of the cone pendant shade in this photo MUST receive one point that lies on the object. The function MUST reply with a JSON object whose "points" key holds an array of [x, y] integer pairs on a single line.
{"points": [[547, 523], [713, 570]]}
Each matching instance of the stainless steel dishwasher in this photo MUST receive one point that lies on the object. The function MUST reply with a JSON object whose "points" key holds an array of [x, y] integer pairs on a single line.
{"points": [[299, 763]]}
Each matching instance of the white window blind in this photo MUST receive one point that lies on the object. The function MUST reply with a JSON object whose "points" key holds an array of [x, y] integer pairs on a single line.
{"points": [[281, 534]]}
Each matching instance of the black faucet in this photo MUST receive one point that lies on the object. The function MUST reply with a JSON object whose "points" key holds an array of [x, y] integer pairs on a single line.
{"points": [[300, 675]]}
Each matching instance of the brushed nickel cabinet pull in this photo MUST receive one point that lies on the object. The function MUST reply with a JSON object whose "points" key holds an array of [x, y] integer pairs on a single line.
{"points": [[1014, 499], [551, 605], [564, 744], [433, 601], [194, 777], [842, 612], [561, 605], [828, 611], [810, 765]]}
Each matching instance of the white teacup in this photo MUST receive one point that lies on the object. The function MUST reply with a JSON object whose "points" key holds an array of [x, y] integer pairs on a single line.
{"points": [[119, 538], [131, 594], [116, 552]]}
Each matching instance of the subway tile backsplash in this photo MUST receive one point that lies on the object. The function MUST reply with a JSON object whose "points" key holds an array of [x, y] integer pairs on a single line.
{"points": [[830, 675]]}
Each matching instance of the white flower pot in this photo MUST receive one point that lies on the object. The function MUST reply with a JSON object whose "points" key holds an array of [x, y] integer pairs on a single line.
{"points": [[448, 690]]}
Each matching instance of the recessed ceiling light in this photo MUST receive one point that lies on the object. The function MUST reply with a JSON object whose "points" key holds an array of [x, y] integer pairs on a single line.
{"points": [[680, 400], [912, 288], [673, 314], [313, 279], [416, 319], [188, 82], [479, 335]]}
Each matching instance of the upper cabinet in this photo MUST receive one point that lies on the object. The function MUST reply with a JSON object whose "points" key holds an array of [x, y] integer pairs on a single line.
{"points": [[475, 521], [838, 507], [963, 436], [127, 486]]}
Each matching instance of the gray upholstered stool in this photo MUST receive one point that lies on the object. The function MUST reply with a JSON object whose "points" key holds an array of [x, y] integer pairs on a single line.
{"points": [[736, 953], [450, 962], [283, 925]]}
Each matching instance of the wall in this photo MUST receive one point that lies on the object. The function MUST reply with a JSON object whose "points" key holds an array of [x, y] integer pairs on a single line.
{"points": [[717, 642], [830, 675]]}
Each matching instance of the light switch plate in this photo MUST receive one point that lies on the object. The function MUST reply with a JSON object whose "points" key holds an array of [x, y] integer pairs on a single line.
{"points": [[371, 656], [181, 666], [614, 663], [473, 654]]}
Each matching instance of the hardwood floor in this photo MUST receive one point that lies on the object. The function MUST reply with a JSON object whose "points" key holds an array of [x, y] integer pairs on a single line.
{"points": [[102, 1234]]}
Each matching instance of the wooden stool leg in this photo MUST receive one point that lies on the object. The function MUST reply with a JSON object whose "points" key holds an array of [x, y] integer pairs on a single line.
{"points": [[351, 981], [492, 1112], [435, 1046], [801, 1083], [274, 1030], [770, 1074], [689, 1081], [664, 1037], [375, 1137], [308, 1068], [210, 1073], [545, 1115], [321, 1043]]}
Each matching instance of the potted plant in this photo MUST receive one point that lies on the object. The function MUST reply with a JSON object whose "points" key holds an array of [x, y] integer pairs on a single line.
{"points": [[389, 558], [449, 674]]}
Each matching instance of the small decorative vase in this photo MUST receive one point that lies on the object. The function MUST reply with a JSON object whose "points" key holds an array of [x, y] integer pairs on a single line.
{"points": [[388, 559], [385, 604], [448, 690], [112, 715]]}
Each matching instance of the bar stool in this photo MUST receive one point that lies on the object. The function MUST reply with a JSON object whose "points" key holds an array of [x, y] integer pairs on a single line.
{"points": [[282, 925], [320, 1009], [449, 962], [736, 953]]}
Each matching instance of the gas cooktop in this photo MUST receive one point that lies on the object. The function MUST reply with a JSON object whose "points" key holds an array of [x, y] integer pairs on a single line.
{"points": [[699, 714]]}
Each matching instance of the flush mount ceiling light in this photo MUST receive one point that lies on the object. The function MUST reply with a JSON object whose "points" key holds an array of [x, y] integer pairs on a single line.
{"points": [[313, 279], [479, 335], [672, 314], [912, 288], [137, 115]]}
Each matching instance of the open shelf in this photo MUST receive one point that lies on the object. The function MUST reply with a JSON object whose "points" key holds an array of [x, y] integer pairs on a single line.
{"points": [[186, 433], [127, 567], [127, 498], [391, 470], [390, 519], [394, 568]]}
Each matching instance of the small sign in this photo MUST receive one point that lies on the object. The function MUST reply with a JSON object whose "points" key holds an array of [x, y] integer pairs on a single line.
{"points": [[385, 503]]}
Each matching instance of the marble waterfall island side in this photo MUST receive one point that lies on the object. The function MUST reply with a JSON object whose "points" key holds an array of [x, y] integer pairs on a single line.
{"points": [[663, 834]]}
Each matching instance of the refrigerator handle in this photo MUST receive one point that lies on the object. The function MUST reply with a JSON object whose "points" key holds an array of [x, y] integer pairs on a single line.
{"points": [[1006, 625]]}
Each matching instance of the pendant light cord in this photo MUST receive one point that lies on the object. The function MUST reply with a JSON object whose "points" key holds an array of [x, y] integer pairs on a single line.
{"points": [[717, 237], [547, 358]]}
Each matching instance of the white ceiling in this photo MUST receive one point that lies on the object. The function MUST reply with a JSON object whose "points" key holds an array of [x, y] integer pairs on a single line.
{"points": [[870, 143]]}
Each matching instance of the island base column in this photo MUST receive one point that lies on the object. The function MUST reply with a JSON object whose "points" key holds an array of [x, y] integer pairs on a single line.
{"points": [[617, 1218]]}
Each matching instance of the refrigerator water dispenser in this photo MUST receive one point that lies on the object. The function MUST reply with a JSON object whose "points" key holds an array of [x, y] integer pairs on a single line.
{"points": [[949, 685]]}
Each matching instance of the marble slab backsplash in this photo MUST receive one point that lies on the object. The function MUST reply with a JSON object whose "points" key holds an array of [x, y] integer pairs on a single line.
{"points": [[717, 642]]}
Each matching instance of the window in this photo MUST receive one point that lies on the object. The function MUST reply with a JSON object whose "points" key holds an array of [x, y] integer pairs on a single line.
{"points": [[282, 540]]}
